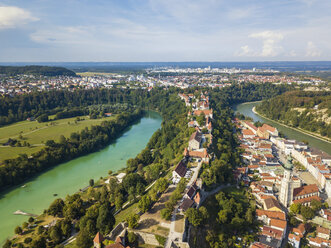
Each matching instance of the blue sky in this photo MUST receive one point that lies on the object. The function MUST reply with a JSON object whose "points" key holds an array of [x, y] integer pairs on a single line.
{"points": [[164, 30]]}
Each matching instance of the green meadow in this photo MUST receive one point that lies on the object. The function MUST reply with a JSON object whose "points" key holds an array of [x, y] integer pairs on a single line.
{"points": [[36, 134]]}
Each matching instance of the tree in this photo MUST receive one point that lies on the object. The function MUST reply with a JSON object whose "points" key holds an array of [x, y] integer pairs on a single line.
{"points": [[27, 240], [25, 225], [83, 239], [56, 208], [31, 220], [144, 203], [316, 205], [223, 216], [18, 230], [295, 208], [66, 227], [42, 118], [133, 220], [307, 212], [7, 244], [91, 182], [201, 119], [249, 216], [119, 200], [56, 234], [166, 213], [105, 220], [194, 217], [204, 213], [132, 238], [294, 221], [161, 185], [39, 242]]}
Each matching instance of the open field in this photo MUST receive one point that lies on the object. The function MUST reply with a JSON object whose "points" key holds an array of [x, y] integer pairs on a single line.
{"points": [[152, 221], [36, 134]]}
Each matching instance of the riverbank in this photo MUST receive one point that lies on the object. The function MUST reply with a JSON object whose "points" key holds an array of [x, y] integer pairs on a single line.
{"points": [[23, 168], [67, 178], [316, 136]]}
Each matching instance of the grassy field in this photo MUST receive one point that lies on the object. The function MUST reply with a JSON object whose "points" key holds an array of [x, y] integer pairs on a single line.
{"points": [[36, 134]]}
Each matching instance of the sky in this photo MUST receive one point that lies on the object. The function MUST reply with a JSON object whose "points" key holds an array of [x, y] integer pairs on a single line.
{"points": [[164, 30]]}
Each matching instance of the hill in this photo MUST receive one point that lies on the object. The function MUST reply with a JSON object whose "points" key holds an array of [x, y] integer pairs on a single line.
{"points": [[36, 70], [308, 110]]}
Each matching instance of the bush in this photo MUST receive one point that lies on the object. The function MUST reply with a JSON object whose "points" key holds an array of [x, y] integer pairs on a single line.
{"points": [[166, 213], [160, 239], [27, 240], [133, 220]]}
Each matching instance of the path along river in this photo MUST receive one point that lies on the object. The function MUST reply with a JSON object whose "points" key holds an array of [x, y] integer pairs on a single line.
{"points": [[69, 177], [246, 109]]}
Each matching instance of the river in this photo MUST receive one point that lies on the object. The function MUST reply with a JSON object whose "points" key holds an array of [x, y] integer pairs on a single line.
{"points": [[69, 177], [246, 109]]}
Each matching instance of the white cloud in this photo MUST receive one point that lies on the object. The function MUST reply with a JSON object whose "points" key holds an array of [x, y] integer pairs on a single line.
{"points": [[11, 16], [270, 40], [312, 50], [244, 51]]}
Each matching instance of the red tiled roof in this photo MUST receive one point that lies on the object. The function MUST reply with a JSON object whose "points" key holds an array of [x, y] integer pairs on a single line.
{"points": [[304, 190], [259, 245], [278, 223], [307, 199], [272, 232], [293, 236], [98, 238], [269, 128], [271, 214], [248, 132], [248, 123], [323, 230]]}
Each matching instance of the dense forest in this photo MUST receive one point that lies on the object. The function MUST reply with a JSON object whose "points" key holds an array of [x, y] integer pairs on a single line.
{"points": [[36, 70], [18, 108], [309, 110]]}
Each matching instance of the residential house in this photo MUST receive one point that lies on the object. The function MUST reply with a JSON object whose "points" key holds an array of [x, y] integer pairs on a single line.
{"points": [[322, 232], [272, 204], [180, 170], [195, 141]]}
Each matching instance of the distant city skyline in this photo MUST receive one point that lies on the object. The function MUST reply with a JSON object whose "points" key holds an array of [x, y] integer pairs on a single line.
{"points": [[164, 30]]}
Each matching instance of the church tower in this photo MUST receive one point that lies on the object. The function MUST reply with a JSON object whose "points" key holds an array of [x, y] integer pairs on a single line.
{"points": [[286, 189]]}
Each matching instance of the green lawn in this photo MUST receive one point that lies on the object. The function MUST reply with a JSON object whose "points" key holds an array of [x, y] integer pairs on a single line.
{"points": [[122, 216], [38, 133]]}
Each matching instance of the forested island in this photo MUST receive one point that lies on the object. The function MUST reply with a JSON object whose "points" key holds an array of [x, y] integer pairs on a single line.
{"points": [[307, 110], [35, 70]]}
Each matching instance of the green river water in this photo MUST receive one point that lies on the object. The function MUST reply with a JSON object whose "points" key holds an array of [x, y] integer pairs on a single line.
{"points": [[246, 109], [69, 177]]}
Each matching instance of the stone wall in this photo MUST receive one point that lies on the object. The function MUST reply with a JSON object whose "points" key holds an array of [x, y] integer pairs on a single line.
{"points": [[117, 231], [147, 238]]}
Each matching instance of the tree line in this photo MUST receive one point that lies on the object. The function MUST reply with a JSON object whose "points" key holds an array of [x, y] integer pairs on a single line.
{"points": [[36, 70], [303, 109], [15, 171]]}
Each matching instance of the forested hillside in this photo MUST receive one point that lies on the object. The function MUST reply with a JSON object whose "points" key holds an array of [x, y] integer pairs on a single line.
{"points": [[309, 110], [36, 70]]}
